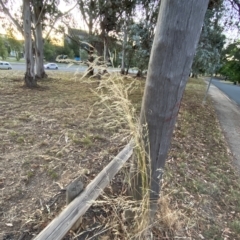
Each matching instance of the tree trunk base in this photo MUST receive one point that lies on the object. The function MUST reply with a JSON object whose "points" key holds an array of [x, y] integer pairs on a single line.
{"points": [[90, 71], [123, 72], [139, 74], [43, 75], [30, 81]]}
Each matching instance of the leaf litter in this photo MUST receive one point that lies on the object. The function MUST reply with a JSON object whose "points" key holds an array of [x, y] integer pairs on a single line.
{"points": [[52, 135]]}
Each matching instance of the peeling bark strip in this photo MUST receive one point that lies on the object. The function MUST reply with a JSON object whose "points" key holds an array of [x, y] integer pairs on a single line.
{"points": [[58, 228], [177, 34]]}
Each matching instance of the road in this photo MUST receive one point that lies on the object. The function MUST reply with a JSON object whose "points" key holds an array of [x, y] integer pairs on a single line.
{"points": [[67, 68], [62, 67], [232, 91]]}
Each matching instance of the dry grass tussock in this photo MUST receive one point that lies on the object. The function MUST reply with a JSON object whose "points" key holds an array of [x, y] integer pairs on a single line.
{"points": [[114, 92], [75, 126]]}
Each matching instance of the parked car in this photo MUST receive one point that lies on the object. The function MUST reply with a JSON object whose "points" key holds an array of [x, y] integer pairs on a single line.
{"points": [[51, 66], [5, 65]]}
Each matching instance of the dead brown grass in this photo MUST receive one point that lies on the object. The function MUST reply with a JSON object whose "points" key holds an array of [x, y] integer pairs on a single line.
{"points": [[48, 137], [54, 133], [200, 179]]}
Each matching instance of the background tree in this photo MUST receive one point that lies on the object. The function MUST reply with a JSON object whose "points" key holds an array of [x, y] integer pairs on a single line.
{"points": [[127, 19], [211, 43], [90, 12], [67, 49], [38, 11], [25, 30], [14, 44], [52, 50], [110, 16], [140, 34], [101, 18], [3, 49], [30, 80], [144, 33], [45, 14], [231, 62], [41, 12]]}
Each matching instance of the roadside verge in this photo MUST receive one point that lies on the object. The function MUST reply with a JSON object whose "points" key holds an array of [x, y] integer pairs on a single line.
{"points": [[229, 118]]}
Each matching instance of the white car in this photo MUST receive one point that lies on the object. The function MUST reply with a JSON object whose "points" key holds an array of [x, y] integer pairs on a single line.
{"points": [[51, 66], [5, 65]]}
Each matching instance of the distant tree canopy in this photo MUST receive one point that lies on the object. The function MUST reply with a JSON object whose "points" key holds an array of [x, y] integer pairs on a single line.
{"points": [[14, 44], [231, 62], [10, 46], [136, 34], [51, 50], [3, 48], [208, 55]]}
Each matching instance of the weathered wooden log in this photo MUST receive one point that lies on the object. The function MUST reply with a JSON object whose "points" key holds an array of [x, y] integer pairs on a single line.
{"points": [[59, 226]]}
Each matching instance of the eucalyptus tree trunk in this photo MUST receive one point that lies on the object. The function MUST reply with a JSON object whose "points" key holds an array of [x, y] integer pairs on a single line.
{"points": [[29, 78], [40, 72], [177, 33], [37, 8]]}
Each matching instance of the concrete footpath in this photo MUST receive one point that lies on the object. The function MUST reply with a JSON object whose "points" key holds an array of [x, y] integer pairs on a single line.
{"points": [[229, 117]]}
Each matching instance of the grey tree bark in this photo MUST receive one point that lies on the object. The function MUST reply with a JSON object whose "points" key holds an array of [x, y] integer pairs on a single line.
{"points": [[29, 78], [124, 47], [177, 34], [40, 72], [105, 47], [37, 9]]}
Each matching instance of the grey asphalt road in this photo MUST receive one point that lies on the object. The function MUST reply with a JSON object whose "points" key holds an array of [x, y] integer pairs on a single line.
{"points": [[66, 68], [62, 67], [232, 91]]}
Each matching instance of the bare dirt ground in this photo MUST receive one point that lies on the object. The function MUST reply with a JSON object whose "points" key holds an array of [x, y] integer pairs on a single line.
{"points": [[53, 134], [49, 136]]}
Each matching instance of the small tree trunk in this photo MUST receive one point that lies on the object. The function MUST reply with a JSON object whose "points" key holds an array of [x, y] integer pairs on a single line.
{"points": [[90, 69], [105, 50], [177, 34], [209, 84], [139, 73], [126, 72], [29, 78], [124, 48]]}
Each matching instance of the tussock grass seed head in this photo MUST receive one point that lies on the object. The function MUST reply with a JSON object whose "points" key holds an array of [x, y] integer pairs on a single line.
{"points": [[114, 102]]}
